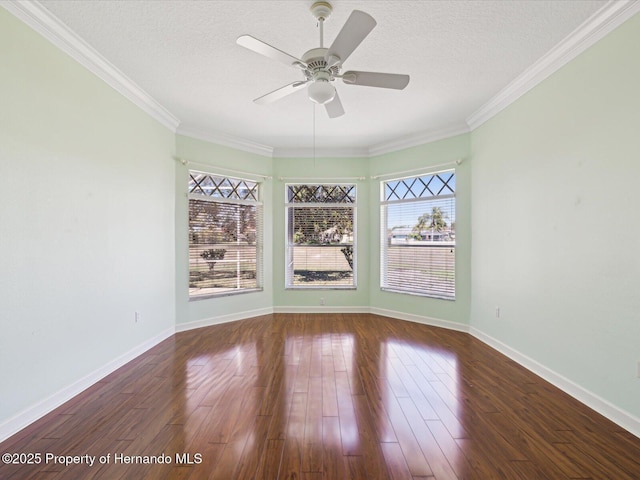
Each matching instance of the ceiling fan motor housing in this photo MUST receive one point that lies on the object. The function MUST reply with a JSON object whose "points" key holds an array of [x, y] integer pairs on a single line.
{"points": [[317, 65], [322, 66]]}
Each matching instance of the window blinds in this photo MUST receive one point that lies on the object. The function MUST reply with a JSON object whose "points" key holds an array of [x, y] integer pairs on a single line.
{"points": [[225, 235], [418, 235], [320, 236]]}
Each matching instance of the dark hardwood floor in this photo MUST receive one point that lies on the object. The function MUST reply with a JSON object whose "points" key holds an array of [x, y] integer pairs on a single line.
{"points": [[333, 396]]}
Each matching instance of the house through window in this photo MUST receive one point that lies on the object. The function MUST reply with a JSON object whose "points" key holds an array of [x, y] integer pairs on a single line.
{"points": [[418, 237], [321, 248], [225, 235]]}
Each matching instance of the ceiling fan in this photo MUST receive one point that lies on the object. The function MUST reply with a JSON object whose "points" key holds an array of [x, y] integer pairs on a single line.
{"points": [[322, 66]]}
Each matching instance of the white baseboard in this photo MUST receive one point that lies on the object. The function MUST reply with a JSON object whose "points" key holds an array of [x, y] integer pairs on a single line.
{"points": [[321, 309], [410, 317], [615, 414], [622, 418], [231, 317], [24, 418]]}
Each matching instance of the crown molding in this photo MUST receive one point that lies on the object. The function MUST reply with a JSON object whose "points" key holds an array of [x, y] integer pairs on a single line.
{"points": [[602, 22], [390, 146], [613, 14], [35, 15], [226, 140], [416, 139], [310, 152]]}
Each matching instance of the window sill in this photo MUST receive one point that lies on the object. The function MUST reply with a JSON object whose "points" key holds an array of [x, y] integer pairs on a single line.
{"points": [[418, 294], [323, 287], [227, 293]]}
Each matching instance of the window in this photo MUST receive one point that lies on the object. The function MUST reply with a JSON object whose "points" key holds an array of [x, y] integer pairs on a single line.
{"points": [[320, 236], [225, 235], [418, 237]]}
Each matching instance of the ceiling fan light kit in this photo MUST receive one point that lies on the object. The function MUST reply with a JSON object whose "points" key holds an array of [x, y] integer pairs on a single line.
{"points": [[322, 66], [321, 91]]}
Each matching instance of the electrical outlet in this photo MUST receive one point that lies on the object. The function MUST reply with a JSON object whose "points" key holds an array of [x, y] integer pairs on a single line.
{"points": [[321, 300], [497, 312], [137, 317]]}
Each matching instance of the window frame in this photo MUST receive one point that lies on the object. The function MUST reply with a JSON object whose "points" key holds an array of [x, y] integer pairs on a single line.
{"points": [[289, 245], [384, 228], [259, 230]]}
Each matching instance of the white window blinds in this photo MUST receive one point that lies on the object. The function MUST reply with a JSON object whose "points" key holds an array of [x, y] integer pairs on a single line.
{"points": [[418, 238], [225, 235], [320, 236]]}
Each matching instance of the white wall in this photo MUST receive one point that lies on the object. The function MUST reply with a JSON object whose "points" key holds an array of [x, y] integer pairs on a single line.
{"points": [[86, 218], [555, 233]]}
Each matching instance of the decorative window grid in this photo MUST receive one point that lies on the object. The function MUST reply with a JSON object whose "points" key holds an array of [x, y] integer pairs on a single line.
{"points": [[417, 253], [225, 235], [321, 248], [215, 186], [426, 186], [321, 193]]}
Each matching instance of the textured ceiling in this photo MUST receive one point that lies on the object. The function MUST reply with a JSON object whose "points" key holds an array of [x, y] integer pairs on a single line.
{"points": [[459, 54]]}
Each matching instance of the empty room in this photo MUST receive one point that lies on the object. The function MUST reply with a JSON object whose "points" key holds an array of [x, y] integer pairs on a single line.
{"points": [[319, 240]]}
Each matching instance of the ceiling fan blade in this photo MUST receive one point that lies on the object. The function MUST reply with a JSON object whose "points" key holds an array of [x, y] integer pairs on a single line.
{"points": [[376, 79], [334, 107], [258, 46], [280, 93], [357, 27]]}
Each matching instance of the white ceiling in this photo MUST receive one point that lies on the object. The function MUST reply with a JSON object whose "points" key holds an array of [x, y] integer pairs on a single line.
{"points": [[459, 54]]}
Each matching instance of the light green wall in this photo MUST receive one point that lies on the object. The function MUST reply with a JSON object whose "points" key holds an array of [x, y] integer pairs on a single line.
{"points": [[209, 157], [93, 210], [289, 170], [86, 219], [555, 238], [424, 156]]}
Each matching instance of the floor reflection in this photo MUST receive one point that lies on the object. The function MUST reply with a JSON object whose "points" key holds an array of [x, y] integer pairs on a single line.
{"points": [[333, 397], [340, 388], [423, 385]]}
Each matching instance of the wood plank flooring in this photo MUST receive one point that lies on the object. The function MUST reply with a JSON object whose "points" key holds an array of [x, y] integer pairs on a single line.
{"points": [[325, 396]]}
